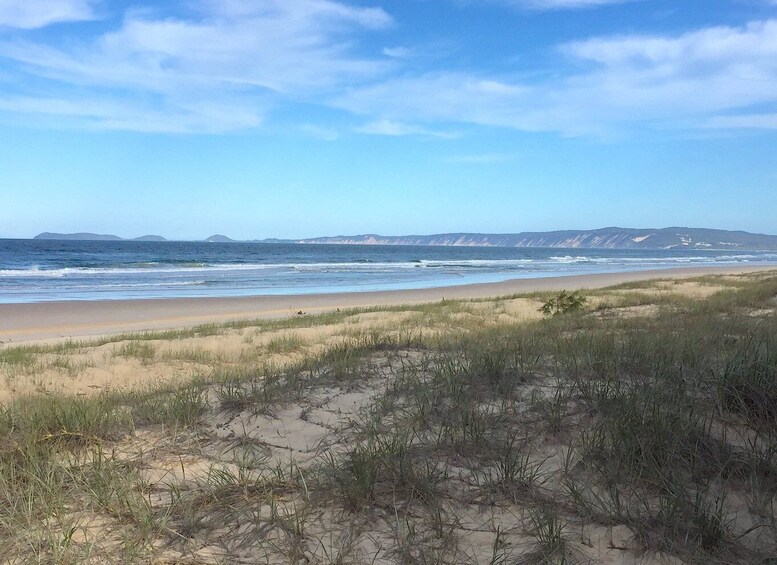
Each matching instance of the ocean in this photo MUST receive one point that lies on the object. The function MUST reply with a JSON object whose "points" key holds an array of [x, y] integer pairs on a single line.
{"points": [[47, 270]]}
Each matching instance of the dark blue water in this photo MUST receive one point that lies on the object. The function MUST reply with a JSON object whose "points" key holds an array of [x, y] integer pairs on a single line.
{"points": [[40, 270]]}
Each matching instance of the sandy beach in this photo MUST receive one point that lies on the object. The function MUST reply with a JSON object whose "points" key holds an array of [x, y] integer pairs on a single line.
{"points": [[21, 323]]}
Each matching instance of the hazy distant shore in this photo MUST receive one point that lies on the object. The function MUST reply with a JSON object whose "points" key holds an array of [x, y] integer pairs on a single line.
{"points": [[51, 320], [602, 238]]}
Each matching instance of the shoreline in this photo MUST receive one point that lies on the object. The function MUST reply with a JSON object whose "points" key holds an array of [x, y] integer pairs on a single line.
{"points": [[38, 321]]}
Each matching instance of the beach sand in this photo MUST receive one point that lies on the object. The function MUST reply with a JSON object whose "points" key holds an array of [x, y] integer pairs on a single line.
{"points": [[24, 323]]}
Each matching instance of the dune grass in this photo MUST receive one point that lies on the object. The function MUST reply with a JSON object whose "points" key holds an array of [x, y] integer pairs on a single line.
{"points": [[491, 443]]}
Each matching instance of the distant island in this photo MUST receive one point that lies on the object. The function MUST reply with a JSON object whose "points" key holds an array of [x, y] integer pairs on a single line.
{"points": [[218, 238], [604, 238], [95, 237], [78, 236]]}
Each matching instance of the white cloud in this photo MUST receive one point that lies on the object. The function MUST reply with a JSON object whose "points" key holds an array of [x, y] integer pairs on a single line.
{"points": [[303, 11], [288, 46], [248, 53], [556, 4], [31, 14], [396, 129], [398, 52], [565, 4], [631, 81], [715, 45], [695, 74], [227, 63], [443, 97], [102, 113]]}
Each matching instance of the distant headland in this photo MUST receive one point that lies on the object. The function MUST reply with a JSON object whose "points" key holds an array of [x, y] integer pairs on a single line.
{"points": [[604, 238]]}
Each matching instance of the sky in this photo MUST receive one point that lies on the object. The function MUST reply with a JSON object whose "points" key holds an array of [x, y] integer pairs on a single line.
{"points": [[302, 118]]}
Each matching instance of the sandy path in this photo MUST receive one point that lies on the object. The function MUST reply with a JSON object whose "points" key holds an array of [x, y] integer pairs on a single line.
{"points": [[50, 320]]}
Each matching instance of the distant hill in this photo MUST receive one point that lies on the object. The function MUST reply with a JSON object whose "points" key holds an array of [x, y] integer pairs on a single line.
{"points": [[218, 238], [95, 237], [605, 238], [78, 236]]}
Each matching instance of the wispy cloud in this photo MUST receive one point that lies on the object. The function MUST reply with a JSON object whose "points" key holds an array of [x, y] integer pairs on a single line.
{"points": [[696, 74], [31, 14], [398, 52], [223, 65], [396, 129], [557, 4], [631, 81], [446, 97], [141, 116], [231, 54], [567, 4]]}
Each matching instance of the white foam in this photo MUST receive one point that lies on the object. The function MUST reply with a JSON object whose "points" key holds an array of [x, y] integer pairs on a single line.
{"points": [[550, 263]]}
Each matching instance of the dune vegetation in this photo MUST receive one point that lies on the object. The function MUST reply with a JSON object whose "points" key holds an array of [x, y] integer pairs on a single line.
{"points": [[638, 426]]}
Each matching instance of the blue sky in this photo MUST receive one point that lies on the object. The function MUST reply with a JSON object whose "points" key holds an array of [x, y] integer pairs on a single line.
{"points": [[297, 118]]}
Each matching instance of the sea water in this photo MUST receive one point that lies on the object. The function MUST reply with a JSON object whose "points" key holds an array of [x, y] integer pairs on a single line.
{"points": [[46, 270]]}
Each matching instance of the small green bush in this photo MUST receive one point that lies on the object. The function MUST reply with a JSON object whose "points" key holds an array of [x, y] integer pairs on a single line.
{"points": [[563, 303]]}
